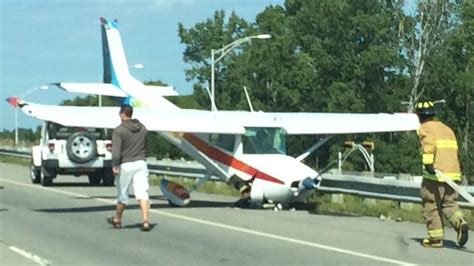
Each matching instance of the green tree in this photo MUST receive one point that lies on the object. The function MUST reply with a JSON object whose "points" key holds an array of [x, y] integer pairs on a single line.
{"points": [[91, 100], [337, 56]]}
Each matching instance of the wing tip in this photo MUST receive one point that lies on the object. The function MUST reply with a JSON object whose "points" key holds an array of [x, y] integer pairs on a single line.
{"points": [[13, 101]]}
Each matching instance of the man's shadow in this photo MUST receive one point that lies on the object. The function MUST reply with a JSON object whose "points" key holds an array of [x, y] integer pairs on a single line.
{"points": [[446, 244], [138, 226]]}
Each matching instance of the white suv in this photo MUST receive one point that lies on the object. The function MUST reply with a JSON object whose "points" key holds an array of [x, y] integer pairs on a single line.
{"points": [[72, 150]]}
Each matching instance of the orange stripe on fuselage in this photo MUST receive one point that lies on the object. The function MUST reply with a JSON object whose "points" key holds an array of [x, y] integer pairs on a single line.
{"points": [[227, 159]]}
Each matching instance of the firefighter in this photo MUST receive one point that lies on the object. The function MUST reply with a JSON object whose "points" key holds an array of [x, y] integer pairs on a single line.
{"points": [[440, 153]]}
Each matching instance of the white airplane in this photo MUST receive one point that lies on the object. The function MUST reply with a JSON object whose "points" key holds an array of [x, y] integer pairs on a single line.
{"points": [[245, 149]]}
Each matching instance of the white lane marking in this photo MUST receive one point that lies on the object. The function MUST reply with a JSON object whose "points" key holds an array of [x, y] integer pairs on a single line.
{"points": [[225, 226], [30, 256]]}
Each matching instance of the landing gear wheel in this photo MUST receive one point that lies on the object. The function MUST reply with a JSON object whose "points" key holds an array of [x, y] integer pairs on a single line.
{"points": [[278, 207], [94, 178]]}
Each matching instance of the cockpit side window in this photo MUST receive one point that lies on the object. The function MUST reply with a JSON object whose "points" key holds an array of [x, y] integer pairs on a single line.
{"points": [[225, 141], [264, 141]]}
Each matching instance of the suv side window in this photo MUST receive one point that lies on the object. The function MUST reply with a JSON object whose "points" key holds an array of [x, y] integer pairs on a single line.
{"points": [[52, 128]]}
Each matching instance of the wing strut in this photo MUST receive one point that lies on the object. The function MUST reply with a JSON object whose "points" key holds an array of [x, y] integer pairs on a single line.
{"points": [[314, 147]]}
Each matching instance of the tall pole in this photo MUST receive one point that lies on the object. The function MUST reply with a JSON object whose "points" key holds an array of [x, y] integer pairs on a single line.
{"points": [[212, 81], [16, 126]]}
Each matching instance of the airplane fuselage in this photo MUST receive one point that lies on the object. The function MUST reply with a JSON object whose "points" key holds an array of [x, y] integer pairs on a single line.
{"points": [[243, 160]]}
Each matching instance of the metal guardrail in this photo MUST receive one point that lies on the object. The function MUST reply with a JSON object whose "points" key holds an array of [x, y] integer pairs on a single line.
{"points": [[17, 152], [370, 187]]}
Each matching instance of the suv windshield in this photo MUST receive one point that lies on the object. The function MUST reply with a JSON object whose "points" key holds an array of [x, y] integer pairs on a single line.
{"points": [[57, 131]]}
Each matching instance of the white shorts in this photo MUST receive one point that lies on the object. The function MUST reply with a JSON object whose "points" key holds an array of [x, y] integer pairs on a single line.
{"points": [[135, 173]]}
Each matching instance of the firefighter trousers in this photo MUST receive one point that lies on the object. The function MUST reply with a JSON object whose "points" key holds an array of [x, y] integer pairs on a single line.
{"points": [[439, 198]]}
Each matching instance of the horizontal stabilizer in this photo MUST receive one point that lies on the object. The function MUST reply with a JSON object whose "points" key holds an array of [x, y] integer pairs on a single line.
{"points": [[92, 88]]}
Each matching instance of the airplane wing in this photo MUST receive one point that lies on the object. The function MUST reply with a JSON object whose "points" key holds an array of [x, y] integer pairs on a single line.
{"points": [[193, 121], [326, 123], [224, 122]]}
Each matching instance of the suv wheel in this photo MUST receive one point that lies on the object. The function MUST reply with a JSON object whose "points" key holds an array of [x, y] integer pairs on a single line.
{"points": [[35, 173], [108, 177], [47, 176], [81, 147], [94, 178]]}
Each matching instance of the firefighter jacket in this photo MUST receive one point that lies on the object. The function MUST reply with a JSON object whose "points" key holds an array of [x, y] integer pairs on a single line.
{"points": [[439, 147]]}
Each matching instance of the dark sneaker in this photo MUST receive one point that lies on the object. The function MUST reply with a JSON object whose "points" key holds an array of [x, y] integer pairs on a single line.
{"points": [[431, 243], [462, 231]]}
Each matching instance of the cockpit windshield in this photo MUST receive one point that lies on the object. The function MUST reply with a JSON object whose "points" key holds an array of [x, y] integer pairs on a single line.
{"points": [[258, 140]]}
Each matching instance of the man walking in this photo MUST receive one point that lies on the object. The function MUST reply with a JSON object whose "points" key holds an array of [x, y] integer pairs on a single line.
{"points": [[129, 166], [440, 153]]}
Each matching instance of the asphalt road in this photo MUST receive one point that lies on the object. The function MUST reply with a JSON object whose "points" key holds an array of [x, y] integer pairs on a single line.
{"points": [[65, 224]]}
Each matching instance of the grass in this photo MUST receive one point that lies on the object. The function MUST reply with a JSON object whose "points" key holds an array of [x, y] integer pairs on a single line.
{"points": [[15, 160], [358, 206], [21, 143]]}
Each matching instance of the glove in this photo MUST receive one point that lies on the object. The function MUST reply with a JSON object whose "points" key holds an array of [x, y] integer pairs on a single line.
{"points": [[430, 169]]}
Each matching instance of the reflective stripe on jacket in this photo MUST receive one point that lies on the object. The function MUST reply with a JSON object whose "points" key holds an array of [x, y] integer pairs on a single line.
{"points": [[439, 147]]}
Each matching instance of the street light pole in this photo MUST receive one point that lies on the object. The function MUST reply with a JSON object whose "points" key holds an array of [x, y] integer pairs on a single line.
{"points": [[224, 51], [16, 125], [213, 105]]}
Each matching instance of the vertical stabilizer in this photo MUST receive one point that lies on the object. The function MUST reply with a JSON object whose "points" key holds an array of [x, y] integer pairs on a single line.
{"points": [[116, 69]]}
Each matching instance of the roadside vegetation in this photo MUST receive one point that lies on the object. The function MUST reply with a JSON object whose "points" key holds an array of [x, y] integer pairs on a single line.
{"points": [[15, 160]]}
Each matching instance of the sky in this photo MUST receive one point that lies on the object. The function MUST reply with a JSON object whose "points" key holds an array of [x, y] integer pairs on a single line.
{"points": [[45, 41]]}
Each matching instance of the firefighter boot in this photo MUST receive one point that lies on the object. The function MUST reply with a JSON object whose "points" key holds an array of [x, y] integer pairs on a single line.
{"points": [[432, 243], [462, 229]]}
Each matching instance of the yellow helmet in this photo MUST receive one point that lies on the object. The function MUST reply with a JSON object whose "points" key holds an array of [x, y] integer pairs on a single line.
{"points": [[425, 108]]}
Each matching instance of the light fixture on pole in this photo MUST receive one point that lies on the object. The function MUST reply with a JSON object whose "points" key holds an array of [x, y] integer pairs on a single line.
{"points": [[224, 51]]}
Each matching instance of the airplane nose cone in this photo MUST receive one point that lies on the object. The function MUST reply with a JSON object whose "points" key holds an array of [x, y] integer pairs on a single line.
{"points": [[309, 183]]}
